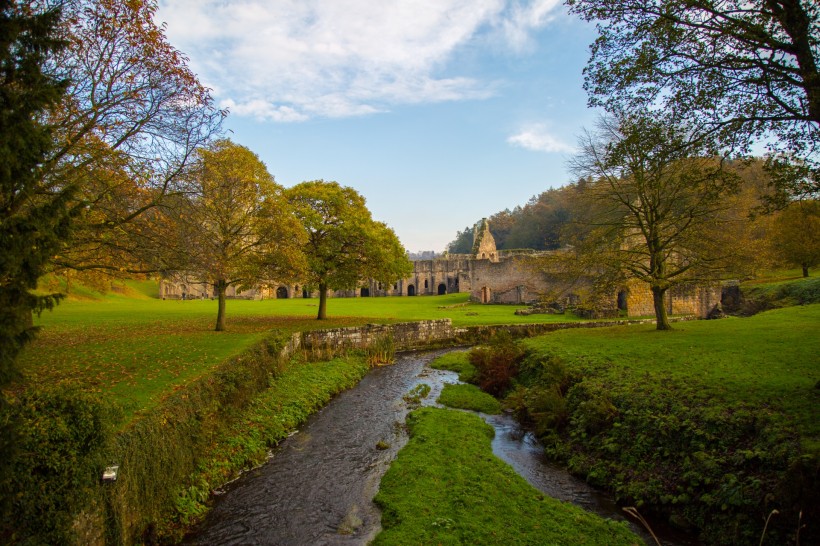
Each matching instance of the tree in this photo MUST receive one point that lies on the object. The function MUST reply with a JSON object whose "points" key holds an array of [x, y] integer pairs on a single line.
{"points": [[344, 244], [651, 197], [735, 68], [125, 134], [463, 243], [235, 227], [34, 219], [797, 234]]}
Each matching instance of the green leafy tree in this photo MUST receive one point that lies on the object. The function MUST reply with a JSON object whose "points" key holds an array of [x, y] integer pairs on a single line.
{"points": [[344, 244], [797, 235], [34, 219], [651, 199], [463, 243], [739, 69], [235, 226]]}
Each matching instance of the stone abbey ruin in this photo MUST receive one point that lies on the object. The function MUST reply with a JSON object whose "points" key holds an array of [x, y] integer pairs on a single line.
{"points": [[489, 275]]}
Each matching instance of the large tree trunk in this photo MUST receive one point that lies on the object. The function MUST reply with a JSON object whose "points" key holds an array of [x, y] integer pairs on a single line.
{"points": [[322, 302], [805, 270], [661, 317], [220, 286]]}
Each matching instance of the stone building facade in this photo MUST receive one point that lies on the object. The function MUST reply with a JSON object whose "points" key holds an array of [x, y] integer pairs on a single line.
{"points": [[488, 275]]}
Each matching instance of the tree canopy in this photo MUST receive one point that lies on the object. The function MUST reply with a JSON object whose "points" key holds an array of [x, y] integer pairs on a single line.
{"points": [[34, 220], [344, 244], [126, 132], [735, 69], [797, 235], [234, 226], [651, 196]]}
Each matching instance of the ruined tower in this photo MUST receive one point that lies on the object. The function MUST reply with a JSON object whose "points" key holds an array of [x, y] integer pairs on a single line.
{"points": [[483, 242]]}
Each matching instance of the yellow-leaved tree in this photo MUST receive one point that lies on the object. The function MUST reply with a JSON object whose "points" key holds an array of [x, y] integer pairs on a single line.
{"points": [[235, 227]]}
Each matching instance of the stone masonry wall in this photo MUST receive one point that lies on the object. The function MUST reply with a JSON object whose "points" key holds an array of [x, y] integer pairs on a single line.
{"points": [[507, 281], [680, 300], [406, 336]]}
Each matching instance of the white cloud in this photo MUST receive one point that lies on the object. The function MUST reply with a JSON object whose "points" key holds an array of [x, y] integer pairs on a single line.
{"points": [[537, 138], [290, 60], [525, 17]]}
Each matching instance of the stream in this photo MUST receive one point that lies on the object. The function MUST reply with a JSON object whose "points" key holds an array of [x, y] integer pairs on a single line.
{"points": [[317, 488]]}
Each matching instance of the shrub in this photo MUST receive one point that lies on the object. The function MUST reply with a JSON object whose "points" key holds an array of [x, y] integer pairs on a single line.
{"points": [[58, 462], [496, 363]]}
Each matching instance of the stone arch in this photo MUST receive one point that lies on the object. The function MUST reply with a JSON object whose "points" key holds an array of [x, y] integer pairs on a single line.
{"points": [[442, 289], [282, 293], [411, 290], [305, 293], [364, 292], [485, 294], [426, 284]]}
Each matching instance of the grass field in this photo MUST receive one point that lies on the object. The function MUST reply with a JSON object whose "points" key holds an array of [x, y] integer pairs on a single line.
{"points": [[133, 347], [769, 360]]}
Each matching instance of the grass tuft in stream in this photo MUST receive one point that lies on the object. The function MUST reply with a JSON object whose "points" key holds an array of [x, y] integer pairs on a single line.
{"points": [[446, 487], [469, 397], [456, 361]]}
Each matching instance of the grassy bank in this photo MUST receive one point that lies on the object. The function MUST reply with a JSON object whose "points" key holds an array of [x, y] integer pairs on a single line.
{"points": [[714, 424], [169, 459], [446, 487]]}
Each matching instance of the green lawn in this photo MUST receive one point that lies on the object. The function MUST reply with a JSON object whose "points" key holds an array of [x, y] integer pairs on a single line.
{"points": [[769, 360], [134, 347]]}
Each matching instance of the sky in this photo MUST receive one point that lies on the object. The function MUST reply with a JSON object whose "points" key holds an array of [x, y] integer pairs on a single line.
{"points": [[439, 112]]}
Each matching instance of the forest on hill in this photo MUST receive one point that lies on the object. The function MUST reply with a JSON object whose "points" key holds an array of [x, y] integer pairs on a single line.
{"points": [[750, 227]]}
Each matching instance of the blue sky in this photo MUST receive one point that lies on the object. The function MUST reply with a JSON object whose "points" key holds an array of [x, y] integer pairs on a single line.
{"points": [[439, 112]]}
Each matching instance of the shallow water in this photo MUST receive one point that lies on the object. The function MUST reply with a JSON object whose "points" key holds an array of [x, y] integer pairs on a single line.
{"points": [[318, 486]]}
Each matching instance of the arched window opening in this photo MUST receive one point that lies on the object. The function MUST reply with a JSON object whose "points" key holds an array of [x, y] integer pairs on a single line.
{"points": [[622, 299]]}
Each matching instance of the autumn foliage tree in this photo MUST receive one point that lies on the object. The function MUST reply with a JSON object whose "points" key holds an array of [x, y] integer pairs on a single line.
{"points": [[125, 133], [796, 232], [653, 197], [344, 244], [234, 227]]}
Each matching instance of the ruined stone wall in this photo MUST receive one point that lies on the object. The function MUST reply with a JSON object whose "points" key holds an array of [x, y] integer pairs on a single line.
{"points": [[177, 288], [639, 299], [434, 277], [694, 300], [681, 300], [509, 280]]}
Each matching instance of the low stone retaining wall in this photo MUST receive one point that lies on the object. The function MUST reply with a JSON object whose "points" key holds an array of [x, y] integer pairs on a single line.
{"points": [[406, 336], [425, 334]]}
